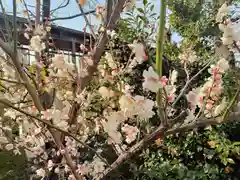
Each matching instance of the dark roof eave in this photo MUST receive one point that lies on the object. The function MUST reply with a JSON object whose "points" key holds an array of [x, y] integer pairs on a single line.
{"points": [[60, 28]]}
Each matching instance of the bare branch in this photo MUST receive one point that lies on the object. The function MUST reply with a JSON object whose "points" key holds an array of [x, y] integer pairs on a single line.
{"points": [[21, 73], [72, 17], [6, 21], [14, 28], [188, 82], [62, 5], [11, 81], [86, 19], [99, 46], [29, 19]]}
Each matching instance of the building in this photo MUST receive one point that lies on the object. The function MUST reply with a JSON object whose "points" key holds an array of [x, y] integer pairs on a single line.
{"points": [[66, 40]]}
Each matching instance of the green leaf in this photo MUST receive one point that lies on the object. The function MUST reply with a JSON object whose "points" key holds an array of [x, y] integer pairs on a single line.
{"points": [[153, 14], [151, 7], [230, 160], [140, 23], [140, 10], [145, 2], [224, 161], [236, 144], [128, 13], [143, 18]]}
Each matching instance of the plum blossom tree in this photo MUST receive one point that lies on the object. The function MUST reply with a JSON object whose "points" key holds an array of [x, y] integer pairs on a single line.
{"points": [[54, 108]]}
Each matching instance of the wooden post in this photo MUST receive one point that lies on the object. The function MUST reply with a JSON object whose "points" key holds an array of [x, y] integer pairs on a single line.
{"points": [[38, 13], [45, 18], [74, 51]]}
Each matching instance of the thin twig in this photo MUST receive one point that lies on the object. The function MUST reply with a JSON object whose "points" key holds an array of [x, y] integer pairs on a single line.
{"points": [[99, 46], [37, 56], [7, 24], [62, 5], [72, 17], [188, 82], [86, 19], [11, 81], [29, 19], [186, 71]]}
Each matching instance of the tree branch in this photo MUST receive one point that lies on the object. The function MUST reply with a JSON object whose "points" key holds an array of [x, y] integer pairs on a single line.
{"points": [[10, 81], [14, 28], [7, 24], [188, 82], [29, 19], [21, 73], [61, 6], [99, 46], [86, 19], [72, 17], [8, 104], [162, 132]]}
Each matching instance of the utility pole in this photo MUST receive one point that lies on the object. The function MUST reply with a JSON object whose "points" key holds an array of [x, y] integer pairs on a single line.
{"points": [[46, 10], [45, 19]]}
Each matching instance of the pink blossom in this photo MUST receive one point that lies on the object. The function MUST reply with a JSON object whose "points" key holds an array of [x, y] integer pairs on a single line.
{"points": [[201, 99], [34, 108], [145, 57], [46, 114], [164, 80], [170, 98], [130, 132]]}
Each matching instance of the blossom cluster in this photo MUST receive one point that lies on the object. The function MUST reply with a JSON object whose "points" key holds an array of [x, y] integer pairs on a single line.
{"points": [[132, 107], [207, 96], [229, 28]]}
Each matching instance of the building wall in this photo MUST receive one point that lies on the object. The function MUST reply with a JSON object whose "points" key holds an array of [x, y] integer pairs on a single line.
{"points": [[29, 56]]}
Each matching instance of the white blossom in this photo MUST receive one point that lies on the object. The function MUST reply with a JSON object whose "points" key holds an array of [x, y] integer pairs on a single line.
{"points": [[111, 127], [110, 61], [139, 53], [190, 117], [36, 44], [151, 80], [222, 65], [50, 165], [144, 107], [98, 166], [41, 172], [3, 140], [221, 107], [223, 11], [9, 147], [105, 92], [83, 169], [173, 78], [111, 33], [130, 133]]}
